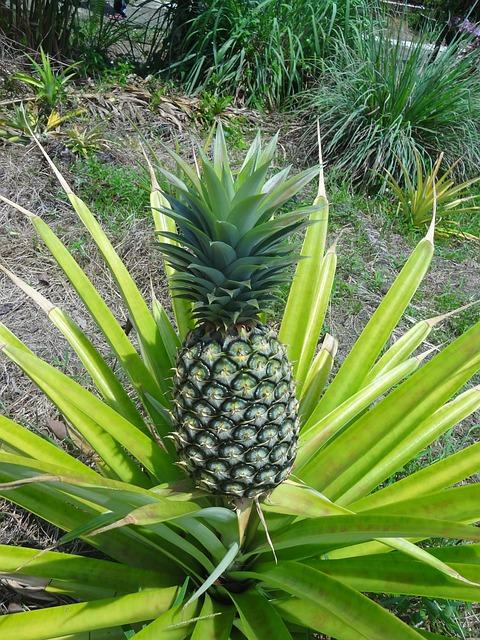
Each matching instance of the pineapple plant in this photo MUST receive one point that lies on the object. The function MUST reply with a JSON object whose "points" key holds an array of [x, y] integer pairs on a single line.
{"points": [[235, 412], [177, 560]]}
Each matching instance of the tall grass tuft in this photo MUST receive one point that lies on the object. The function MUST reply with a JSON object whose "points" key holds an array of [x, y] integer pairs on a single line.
{"points": [[381, 98], [261, 52]]}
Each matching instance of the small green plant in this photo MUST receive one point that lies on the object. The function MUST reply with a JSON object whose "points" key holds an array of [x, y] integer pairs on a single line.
{"points": [[446, 9], [86, 141], [235, 550], [211, 106], [137, 41], [22, 124], [441, 616], [49, 85], [419, 197], [118, 73], [95, 38]]}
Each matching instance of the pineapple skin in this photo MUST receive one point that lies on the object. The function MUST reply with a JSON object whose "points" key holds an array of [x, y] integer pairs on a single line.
{"points": [[235, 412]]}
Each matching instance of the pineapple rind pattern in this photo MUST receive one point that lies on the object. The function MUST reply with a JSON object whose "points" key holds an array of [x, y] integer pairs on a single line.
{"points": [[234, 410]]}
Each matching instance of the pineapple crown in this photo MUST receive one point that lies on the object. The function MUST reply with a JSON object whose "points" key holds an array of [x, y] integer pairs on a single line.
{"points": [[228, 251]]}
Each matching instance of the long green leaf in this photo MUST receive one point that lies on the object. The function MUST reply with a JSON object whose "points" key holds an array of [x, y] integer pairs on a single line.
{"points": [[299, 302], [100, 505], [148, 514], [113, 633], [458, 554], [403, 347], [215, 621], [104, 424], [459, 504], [105, 381], [46, 501], [106, 321], [204, 535], [320, 300], [259, 618], [174, 624], [438, 476], [219, 570], [418, 438], [67, 568], [181, 308], [366, 349], [317, 377], [117, 462], [300, 500], [44, 624], [305, 613], [151, 345], [344, 462], [410, 549], [223, 521], [309, 537], [362, 614], [317, 432], [169, 337], [393, 573], [23, 441], [114, 499]]}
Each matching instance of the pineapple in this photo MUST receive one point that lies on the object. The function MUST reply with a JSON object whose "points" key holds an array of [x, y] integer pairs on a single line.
{"points": [[235, 413]]}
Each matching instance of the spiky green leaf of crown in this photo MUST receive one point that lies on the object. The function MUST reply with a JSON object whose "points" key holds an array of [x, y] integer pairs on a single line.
{"points": [[229, 252]]}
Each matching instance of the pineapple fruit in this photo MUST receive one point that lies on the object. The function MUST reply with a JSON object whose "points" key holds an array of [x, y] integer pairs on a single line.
{"points": [[235, 413]]}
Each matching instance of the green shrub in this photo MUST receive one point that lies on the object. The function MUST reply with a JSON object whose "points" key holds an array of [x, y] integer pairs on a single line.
{"points": [[260, 51], [382, 98], [48, 84], [141, 41], [445, 9]]}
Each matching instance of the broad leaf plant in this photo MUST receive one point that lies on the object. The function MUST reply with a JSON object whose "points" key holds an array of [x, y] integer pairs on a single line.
{"points": [[174, 561]]}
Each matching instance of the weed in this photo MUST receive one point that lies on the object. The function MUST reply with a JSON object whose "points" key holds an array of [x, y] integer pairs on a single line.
{"points": [[21, 123], [114, 191], [438, 615], [158, 91], [48, 85], [86, 142], [417, 198], [211, 106], [77, 246], [117, 73]]}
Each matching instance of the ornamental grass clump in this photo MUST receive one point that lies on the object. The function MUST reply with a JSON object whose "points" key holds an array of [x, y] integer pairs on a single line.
{"points": [[382, 97], [234, 492]]}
